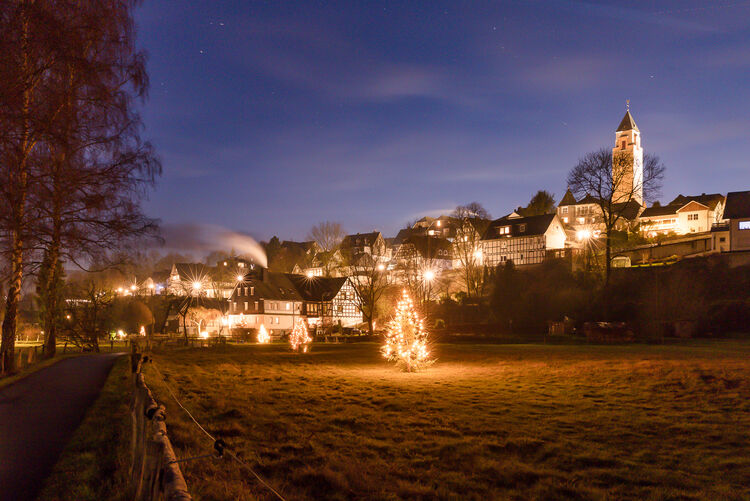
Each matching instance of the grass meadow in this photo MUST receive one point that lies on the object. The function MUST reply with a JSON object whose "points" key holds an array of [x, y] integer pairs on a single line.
{"points": [[484, 422]]}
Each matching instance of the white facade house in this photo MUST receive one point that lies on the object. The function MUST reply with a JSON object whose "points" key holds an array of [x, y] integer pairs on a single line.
{"points": [[523, 240], [683, 215]]}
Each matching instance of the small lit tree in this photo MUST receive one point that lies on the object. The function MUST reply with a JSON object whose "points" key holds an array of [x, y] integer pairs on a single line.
{"points": [[299, 338], [406, 338], [263, 337]]}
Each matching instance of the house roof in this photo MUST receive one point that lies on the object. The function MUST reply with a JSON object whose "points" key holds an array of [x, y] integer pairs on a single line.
{"points": [[428, 246], [568, 199], [535, 225], [358, 239], [316, 288], [298, 246], [588, 199], [738, 205], [692, 206], [711, 200], [627, 123], [628, 210], [271, 285], [662, 210], [403, 235]]}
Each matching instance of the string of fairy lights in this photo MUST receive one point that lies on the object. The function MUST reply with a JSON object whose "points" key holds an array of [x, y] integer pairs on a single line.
{"points": [[406, 337]]}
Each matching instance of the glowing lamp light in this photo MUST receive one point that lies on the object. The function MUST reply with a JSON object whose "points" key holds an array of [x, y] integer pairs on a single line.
{"points": [[309, 274], [197, 285], [204, 334], [583, 235], [478, 253], [429, 275], [67, 316], [240, 278], [132, 287], [142, 331], [381, 267], [120, 334], [263, 337], [151, 286]]}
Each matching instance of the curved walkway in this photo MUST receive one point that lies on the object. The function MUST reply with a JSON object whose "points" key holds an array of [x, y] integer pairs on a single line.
{"points": [[38, 415]]}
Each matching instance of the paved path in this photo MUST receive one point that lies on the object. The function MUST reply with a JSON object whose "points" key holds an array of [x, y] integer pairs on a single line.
{"points": [[38, 416]]}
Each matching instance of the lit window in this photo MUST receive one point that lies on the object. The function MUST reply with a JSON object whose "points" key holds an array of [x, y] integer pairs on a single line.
{"points": [[564, 210], [522, 227], [288, 306], [277, 320], [565, 220], [745, 225], [256, 305], [692, 217], [503, 230], [245, 305]]}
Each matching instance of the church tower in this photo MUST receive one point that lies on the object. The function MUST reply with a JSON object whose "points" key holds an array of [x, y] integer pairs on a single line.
{"points": [[629, 176]]}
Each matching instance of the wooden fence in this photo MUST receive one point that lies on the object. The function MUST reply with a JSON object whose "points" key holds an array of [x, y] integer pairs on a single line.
{"points": [[155, 473]]}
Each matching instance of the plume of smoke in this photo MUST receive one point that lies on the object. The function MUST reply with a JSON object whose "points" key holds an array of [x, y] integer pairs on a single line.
{"points": [[205, 238]]}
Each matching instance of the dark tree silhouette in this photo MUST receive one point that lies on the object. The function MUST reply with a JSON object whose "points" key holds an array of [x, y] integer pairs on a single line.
{"points": [[543, 202]]}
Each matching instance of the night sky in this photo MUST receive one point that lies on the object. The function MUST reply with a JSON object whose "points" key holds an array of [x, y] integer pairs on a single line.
{"points": [[272, 116]]}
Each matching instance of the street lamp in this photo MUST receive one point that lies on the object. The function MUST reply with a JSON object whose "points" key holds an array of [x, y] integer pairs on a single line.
{"points": [[429, 275], [240, 278], [197, 286], [583, 235], [381, 267]]}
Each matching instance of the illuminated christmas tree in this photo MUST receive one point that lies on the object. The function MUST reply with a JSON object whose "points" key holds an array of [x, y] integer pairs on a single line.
{"points": [[299, 339], [405, 337], [263, 337]]}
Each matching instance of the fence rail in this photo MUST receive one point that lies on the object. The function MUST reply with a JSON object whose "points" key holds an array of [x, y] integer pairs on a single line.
{"points": [[155, 474]]}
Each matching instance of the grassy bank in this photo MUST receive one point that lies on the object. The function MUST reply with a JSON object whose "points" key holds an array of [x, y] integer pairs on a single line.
{"points": [[499, 421], [94, 465]]}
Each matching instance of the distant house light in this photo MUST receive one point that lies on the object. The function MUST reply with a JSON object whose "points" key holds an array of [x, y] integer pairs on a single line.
{"points": [[745, 225]]}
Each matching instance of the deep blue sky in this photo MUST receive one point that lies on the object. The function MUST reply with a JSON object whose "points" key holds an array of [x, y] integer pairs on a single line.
{"points": [[272, 116]]}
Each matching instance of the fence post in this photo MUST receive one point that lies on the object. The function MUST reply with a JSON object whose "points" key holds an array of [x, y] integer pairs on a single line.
{"points": [[154, 474]]}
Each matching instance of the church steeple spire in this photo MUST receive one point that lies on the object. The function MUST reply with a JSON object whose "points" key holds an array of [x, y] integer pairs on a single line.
{"points": [[628, 142], [627, 122]]}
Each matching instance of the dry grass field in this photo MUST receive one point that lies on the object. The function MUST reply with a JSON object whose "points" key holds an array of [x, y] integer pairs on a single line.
{"points": [[484, 422]]}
